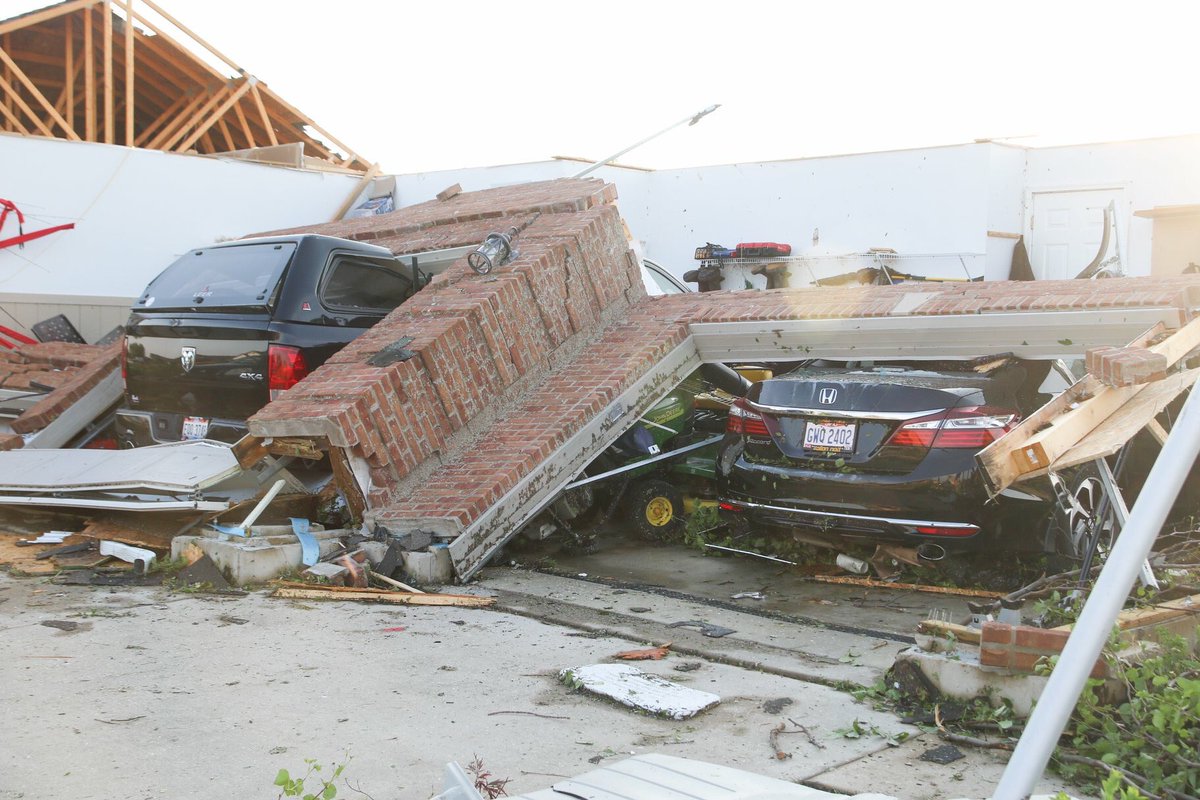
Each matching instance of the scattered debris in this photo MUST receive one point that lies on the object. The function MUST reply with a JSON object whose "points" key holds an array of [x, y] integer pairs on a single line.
{"points": [[640, 609], [706, 628], [688, 666], [203, 572], [119, 721], [302, 591], [638, 690], [229, 619], [648, 654], [777, 705], [749, 596], [76, 547], [871, 583], [943, 754], [780, 754], [394, 629], [49, 537], [527, 714], [61, 624], [140, 557]]}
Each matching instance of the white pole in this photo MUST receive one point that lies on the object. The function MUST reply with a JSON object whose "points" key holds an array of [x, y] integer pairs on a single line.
{"points": [[1091, 631], [692, 120]]}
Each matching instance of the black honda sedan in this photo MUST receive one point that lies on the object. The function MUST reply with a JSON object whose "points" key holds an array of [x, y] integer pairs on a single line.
{"points": [[873, 452]]}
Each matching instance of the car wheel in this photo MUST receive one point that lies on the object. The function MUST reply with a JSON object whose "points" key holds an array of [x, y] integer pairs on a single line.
{"points": [[654, 508], [1077, 525]]}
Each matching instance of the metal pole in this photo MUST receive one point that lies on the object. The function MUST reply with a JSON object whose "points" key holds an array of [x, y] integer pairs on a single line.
{"points": [[1095, 622], [690, 120]]}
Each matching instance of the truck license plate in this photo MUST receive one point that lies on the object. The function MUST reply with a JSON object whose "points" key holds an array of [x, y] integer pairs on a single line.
{"points": [[829, 437], [195, 428]]}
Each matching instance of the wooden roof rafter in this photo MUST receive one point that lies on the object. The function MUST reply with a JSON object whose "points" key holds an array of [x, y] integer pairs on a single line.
{"points": [[120, 71]]}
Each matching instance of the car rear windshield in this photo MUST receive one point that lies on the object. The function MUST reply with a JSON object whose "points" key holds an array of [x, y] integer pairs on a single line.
{"points": [[220, 277]]}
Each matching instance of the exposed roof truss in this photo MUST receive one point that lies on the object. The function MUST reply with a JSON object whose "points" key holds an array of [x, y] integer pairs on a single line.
{"points": [[79, 70]]}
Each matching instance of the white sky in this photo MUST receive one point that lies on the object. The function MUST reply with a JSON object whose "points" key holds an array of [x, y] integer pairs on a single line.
{"points": [[431, 85]]}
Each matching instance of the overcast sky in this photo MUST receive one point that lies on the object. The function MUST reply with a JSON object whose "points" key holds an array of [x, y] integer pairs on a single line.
{"points": [[431, 85]]}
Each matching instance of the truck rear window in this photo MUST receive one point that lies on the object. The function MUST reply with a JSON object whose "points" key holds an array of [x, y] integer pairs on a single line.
{"points": [[220, 277]]}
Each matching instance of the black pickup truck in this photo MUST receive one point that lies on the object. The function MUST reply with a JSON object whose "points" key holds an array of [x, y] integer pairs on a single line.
{"points": [[227, 328]]}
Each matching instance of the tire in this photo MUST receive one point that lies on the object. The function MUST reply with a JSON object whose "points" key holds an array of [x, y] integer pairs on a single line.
{"points": [[654, 508], [1071, 529]]}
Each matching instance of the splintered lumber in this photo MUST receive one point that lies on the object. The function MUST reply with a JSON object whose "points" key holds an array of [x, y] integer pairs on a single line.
{"points": [[404, 587], [871, 583], [936, 627], [1052, 437], [291, 591], [1156, 614]]}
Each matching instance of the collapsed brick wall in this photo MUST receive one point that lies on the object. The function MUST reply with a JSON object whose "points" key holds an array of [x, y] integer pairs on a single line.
{"points": [[65, 371], [477, 342]]}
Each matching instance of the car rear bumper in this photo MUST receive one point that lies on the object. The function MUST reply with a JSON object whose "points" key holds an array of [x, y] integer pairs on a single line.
{"points": [[951, 535], [145, 428]]}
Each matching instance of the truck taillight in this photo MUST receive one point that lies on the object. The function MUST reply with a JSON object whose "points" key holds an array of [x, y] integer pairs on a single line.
{"points": [[970, 427], [285, 368], [745, 421]]}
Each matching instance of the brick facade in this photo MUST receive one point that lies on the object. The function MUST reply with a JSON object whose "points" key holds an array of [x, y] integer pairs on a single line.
{"points": [[64, 370], [504, 368]]}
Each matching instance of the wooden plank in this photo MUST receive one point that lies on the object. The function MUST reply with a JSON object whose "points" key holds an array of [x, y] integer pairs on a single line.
{"points": [[962, 633], [1040, 440], [173, 47], [172, 112], [343, 476], [1111, 435], [1003, 235], [212, 118], [116, 531], [379, 596], [1155, 429], [871, 583], [226, 135], [13, 119], [69, 74], [241, 115], [89, 81], [248, 451], [395, 584], [174, 132], [107, 56], [1155, 614], [362, 184], [351, 156], [11, 92], [158, 10], [130, 95], [296, 448], [262, 112], [45, 14]]}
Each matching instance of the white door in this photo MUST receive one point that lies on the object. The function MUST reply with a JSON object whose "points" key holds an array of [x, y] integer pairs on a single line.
{"points": [[1066, 230]]}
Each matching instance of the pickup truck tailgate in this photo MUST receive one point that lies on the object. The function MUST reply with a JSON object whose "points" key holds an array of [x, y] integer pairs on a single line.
{"points": [[213, 365]]}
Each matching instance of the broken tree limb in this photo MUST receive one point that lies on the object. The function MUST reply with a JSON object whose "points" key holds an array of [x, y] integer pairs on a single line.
{"points": [[871, 583], [396, 598]]}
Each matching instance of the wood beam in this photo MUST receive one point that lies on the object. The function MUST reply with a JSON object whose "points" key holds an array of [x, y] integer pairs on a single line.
{"points": [[212, 119], [262, 112], [229, 145], [69, 72], [65, 105], [13, 118], [158, 10], [21, 104], [38, 96], [203, 112], [167, 39], [130, 97], [168, 114], [180, 121], [351, 156], [109, 126], [89, 81], [45, 14], [6, 43], [244, 123]]}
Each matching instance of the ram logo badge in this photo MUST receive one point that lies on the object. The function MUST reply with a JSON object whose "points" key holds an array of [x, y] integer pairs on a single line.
{"points": [[187, 358]]}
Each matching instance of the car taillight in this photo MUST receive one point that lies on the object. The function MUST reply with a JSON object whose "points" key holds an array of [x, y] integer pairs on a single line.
{"points": [[285, 368], [970, 427], [744, 421]]}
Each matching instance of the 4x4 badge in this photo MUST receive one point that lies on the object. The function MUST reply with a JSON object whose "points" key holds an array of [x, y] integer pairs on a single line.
{"points": [[827, 397], [187, 358]]}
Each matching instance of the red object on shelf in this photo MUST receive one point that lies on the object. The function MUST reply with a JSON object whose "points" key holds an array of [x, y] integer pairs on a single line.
{"points": [[760, 249]]}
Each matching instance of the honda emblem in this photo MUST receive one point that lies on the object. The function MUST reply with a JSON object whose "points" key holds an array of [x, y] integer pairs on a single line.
{"points": [[187, 358], [828, 396]]}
